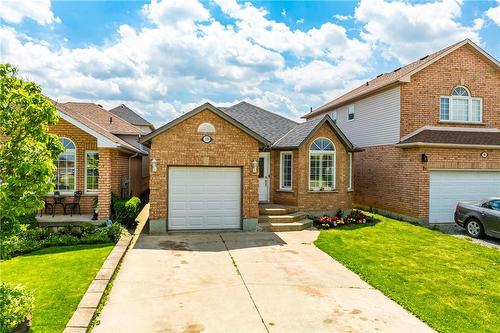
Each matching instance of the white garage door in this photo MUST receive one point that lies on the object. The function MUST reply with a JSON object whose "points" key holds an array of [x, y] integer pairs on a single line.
{"points": [[449, 187], [204, 198]]}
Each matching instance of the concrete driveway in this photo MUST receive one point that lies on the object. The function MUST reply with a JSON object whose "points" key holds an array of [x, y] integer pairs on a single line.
{"points": [[244, 282]]}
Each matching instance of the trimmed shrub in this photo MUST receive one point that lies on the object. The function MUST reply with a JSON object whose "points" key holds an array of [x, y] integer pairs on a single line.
{"points": [[124, 211], [16, 305], [37, 238]]}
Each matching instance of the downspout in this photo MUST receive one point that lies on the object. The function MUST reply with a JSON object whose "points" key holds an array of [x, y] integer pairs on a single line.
{"points": [[130, 172]]}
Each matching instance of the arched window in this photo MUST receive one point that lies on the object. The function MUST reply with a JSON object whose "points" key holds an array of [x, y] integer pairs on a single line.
{"points": [[65, 176], [322, 165], [460, 107], [460, 91]]}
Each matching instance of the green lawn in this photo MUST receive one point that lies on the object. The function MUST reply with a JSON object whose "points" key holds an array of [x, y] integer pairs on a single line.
{"points": [[59, 276], [450, 283]]}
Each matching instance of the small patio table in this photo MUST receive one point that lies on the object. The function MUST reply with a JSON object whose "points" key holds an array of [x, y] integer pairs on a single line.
{"points": [[58, 200]]}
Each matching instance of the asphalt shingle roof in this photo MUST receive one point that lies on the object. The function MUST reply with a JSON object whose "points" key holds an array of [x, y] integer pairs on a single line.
{"points": [[455, 137], [297, 135], [269, 125], [97, 119], [129, 115]]}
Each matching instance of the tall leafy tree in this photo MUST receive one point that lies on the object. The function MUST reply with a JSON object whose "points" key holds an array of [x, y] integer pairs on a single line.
{"points": [[27, 149]]}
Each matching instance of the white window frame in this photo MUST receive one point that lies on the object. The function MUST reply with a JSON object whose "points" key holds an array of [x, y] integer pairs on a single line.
{"points": [[469, 99], [76, 169], [349, 169], [283, 153], [351, 107], [323, 152], [333, 115], [86, 191]]}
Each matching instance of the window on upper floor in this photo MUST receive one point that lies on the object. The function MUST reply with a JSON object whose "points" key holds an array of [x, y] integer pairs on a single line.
{"points": [[333, 115], [461, 107], [350, 112]]}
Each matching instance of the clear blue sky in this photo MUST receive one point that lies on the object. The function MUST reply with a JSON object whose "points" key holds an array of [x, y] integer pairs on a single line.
{"points": [[164, 58]]}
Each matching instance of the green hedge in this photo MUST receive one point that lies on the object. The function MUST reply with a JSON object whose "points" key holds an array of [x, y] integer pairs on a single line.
{"points": [[36, 238], [125, 210], [16, 304]]}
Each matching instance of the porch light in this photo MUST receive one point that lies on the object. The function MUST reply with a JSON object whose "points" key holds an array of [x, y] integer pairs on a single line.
{"points": [[153, 165], [255, 165]]}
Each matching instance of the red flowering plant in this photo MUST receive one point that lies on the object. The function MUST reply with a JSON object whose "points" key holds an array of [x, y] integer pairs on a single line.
{"points": [[327, 222], [356, 217]]}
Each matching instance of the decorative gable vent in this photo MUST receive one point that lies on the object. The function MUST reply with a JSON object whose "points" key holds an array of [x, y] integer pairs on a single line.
{"points": [[206, 128]]}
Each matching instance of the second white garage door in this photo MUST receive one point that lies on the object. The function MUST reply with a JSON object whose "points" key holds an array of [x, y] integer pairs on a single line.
{"points": [[204, 198], [449, 187]]}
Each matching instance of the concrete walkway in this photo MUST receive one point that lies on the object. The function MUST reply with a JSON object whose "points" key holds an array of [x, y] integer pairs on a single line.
{"points": [[244, 282]]}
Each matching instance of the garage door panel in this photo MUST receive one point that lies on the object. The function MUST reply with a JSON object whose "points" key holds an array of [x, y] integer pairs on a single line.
{"points": [[204, 198], [446, 188]]}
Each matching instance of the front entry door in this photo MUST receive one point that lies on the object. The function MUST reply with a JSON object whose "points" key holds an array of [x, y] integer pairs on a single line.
{"points": [[264, 167]]}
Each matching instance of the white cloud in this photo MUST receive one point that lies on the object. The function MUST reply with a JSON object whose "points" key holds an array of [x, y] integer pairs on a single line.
{"points": [[178, 13], [300, 21], [318, 76], [184, 55], [406, 31], [494, 14], [342, 17], [15, 11], [329, 40], [283, 13]]}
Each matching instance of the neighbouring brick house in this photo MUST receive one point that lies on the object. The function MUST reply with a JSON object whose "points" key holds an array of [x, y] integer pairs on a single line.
{"points": [[102, 156], [430, 134], [212, 167]]}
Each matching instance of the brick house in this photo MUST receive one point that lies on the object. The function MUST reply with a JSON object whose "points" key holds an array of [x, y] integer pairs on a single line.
{"points": [[430, 134], [211, 167], [102, 156]]}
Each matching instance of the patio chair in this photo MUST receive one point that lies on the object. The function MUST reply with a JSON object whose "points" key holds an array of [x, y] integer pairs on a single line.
{"points": [[46, 205], [74, 204]]}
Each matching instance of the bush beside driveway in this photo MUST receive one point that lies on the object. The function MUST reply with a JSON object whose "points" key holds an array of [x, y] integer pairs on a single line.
{"points": [[450, 283]]}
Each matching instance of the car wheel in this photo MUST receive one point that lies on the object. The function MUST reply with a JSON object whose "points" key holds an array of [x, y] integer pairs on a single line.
{"points": [[474, 228]]}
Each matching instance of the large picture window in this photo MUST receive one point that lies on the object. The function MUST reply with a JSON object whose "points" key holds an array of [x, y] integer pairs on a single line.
{"points": [[64, 175], [91, 171], [322, 165], [460, 107], [286, 161]]}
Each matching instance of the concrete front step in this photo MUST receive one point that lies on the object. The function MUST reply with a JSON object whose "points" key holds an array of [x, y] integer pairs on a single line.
{"points": [[285, 218], [276, 209], [292, 226]]}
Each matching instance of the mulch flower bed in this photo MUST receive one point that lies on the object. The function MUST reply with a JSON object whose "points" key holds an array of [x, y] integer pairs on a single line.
{"points": [[340, 219]]}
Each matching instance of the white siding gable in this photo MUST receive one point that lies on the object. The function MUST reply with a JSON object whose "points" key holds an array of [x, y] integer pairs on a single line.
{"points": [[376, 119]]}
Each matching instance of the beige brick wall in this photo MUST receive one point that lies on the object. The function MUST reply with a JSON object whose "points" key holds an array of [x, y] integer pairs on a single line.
{"points": [[105, 181], [396, 180], [300, 195], [181, 145], [119, 169], [463, 67]]}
